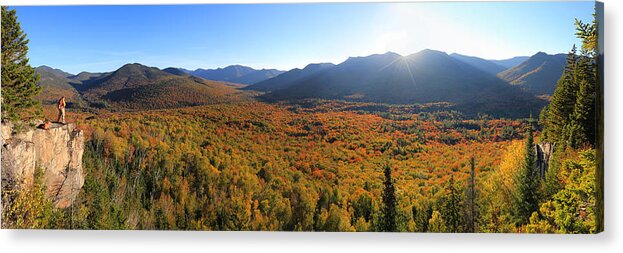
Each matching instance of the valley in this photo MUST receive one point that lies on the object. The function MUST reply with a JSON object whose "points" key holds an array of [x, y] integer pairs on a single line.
{"points": [[234, 166]]}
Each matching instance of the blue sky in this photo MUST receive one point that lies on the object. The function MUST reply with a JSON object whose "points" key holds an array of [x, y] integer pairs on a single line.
{"points": [[103, 38]]}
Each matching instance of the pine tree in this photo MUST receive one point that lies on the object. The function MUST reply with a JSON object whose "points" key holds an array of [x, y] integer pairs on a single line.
{"points": [[19, 80], [588, 34], [527, 182], [563, 101], [584, 114], [388, 222], [470, 200], [423, 216], [452, 206]]}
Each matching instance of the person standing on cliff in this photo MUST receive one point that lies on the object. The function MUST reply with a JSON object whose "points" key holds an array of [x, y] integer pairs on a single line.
{"points": [[61, 110]]}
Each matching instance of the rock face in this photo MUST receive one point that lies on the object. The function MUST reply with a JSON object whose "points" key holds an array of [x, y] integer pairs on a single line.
{"points": [[543, 154], [57, 151]]}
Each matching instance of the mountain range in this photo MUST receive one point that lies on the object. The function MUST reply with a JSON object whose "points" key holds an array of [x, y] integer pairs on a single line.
{"points": [[236, 74], [468, 82], [424, 77], [131, 87]]}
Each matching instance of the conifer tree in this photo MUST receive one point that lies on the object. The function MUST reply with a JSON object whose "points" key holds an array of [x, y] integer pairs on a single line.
{"points": [[424, 216], [452, 206], [388, 222], [584, 114], [19, 80], [527, 183], [563, 101], [470, 199]]}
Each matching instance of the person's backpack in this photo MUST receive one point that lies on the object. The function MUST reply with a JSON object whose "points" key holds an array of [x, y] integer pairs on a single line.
{"points": [[45, 125]]}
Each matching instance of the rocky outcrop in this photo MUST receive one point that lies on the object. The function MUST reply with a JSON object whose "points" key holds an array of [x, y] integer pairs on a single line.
{"points": [[543, 153], [57, 151]]}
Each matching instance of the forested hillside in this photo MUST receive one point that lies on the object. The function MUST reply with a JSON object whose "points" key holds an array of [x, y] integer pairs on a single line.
{"points": [[538, 74]]}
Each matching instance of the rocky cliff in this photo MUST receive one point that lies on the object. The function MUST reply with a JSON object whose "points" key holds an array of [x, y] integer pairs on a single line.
{"points": [[57, 151], [543, 153]]}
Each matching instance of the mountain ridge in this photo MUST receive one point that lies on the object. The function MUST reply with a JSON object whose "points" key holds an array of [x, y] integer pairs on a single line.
{"points": [[235, 74], [424, 77], [136, 86], [510, 62], [427, 76], [538, 75], [482, 64]]}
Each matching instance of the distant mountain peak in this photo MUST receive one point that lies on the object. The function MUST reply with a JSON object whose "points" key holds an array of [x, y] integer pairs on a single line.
{"points": [[386, 54], [318, 65], [54, 71], [175, 71], [236, 74], [135, 64], [431, 51], [44, 67]]}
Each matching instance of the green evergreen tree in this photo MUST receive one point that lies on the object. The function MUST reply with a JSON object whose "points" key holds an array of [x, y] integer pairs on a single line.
{"points": [[588, 33], [452, 206], [388, 222], [527, 182], [584, 114], [422, 215], [19, 80], [563, 101], [470, 200]]}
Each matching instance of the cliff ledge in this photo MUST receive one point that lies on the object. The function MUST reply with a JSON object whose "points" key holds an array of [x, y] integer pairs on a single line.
{"points": [[57, 151]]}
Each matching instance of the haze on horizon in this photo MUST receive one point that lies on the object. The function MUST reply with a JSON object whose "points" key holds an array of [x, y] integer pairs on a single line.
{"points": [[286, 36]]}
